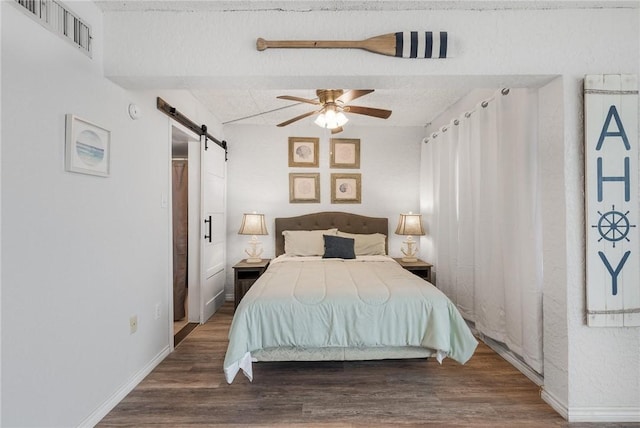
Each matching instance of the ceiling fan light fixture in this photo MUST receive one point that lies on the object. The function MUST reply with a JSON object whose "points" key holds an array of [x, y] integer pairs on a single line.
{"points": [[333, 105], [330, 119]]}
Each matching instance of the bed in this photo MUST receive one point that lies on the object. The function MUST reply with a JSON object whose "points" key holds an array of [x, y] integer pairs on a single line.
{"points": [[317, 302]]}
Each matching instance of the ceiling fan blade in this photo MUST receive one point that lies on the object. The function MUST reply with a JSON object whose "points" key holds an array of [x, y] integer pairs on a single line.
{"points": [[353, 94], [302, 116], [336, 130], [369, 111], [302, 100]]}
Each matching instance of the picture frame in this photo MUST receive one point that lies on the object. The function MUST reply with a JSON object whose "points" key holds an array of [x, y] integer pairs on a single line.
{"points": [[304, 188], [87, 147], [303, 152], [345, 153], [346, 189]]}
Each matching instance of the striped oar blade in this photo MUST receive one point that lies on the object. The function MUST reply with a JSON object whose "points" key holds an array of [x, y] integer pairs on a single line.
{"points": [[421, 44]]}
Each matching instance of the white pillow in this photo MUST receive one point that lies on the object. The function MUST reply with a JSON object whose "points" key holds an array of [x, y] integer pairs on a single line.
{"points": [[367, 244], [305, 242]]}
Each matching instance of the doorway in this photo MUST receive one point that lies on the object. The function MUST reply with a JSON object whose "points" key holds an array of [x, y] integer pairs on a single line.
{"points": [[184, 204], [198, 256]]}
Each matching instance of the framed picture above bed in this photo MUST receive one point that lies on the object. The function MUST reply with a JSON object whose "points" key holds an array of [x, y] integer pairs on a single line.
{"points": [[345, 188], [303, 152], [345, 153], [304, 188]]}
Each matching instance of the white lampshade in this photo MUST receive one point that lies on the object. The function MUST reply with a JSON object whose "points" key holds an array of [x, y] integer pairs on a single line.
{"points": [[341, 119], [410, 224], [253, 224]]}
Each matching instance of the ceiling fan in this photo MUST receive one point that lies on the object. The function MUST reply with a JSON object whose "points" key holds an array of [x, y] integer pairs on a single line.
{"points": [[333, 103]]}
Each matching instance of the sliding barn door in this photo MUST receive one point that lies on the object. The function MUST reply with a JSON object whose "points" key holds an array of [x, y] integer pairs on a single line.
{"points": [[213, 242]]}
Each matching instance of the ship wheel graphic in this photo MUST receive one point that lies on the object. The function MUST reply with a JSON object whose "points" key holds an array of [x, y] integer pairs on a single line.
{"points": [[613, 226]]}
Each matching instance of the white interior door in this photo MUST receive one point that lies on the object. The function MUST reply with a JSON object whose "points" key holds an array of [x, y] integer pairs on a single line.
{"points": [[213, 242]]}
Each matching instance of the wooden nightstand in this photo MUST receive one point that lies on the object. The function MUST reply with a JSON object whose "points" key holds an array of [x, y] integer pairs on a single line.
{"points": [[244, 275], [419, 268]]}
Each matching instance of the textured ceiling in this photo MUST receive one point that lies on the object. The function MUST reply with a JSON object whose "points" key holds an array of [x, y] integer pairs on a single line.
{"points": [[410, 107], [417, 104]]}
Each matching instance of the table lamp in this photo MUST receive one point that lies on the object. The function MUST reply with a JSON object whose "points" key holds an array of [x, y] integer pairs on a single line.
{"points": [[253, 224], [410, 224]]}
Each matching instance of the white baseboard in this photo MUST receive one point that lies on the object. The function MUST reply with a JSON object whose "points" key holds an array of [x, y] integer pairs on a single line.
{"points": [[604, 414], [102, 411], [555, 404], [592, 414]]}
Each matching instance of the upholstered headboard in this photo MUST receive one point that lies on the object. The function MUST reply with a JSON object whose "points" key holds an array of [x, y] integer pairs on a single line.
{"points": [[345, 222]]}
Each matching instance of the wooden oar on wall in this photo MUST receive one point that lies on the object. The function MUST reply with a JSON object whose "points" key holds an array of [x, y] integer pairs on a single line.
{"points": [[404, 44]]}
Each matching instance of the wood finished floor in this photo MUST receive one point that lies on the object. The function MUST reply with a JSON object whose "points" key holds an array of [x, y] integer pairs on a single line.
{"points": [[188, 390]]}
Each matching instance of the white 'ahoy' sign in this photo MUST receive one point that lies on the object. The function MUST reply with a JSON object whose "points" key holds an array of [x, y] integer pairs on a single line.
{"points": [[611, 200]]}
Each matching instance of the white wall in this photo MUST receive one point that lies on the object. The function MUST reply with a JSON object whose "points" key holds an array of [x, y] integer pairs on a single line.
{"points": [[80, 254], [258, 179], [554, 215], [219, 48]]}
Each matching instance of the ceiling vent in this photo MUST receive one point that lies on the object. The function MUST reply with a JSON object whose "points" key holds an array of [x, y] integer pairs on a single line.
{"points": [[57, 17]]}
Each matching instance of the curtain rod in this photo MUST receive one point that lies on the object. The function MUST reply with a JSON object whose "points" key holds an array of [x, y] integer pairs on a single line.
{"points": [[483, 104], [173, 113]]}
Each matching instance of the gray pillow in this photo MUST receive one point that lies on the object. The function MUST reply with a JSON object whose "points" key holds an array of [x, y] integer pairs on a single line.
{"points": [[336, 247]]}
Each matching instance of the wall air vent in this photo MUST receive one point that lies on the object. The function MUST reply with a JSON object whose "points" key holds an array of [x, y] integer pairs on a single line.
{"points": [[59, 19]]}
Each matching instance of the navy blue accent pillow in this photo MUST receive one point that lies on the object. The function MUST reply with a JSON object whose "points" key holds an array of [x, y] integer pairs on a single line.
{"points": [[337, 247]]}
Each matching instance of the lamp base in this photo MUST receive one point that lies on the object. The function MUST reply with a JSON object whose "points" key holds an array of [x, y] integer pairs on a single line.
{"points": [[410, 254], [253, 252]]}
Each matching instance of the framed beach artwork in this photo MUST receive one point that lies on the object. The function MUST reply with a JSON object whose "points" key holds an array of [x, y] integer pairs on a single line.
{"points": [[345, 189], [87, 147], [304, 188], [345, 153], [303, 152]]}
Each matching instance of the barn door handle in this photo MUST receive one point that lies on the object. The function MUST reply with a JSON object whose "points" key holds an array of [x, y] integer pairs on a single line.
{"points": [[209, 235]]}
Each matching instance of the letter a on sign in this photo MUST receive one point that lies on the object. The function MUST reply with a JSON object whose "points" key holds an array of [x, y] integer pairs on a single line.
{"points": [[611, 200]]}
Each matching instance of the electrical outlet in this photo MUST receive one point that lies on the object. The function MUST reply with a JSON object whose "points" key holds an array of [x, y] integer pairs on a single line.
{"points": [[157, 312], [133, 324]]}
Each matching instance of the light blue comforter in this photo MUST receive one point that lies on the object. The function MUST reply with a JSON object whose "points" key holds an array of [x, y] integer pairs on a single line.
{"points": [[309, 302]]}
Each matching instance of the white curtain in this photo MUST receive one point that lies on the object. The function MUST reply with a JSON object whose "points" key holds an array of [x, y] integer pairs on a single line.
{"points": [[480, 202]]}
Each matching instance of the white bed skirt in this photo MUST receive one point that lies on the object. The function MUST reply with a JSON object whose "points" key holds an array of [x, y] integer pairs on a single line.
{"points": [[328, 354]]}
